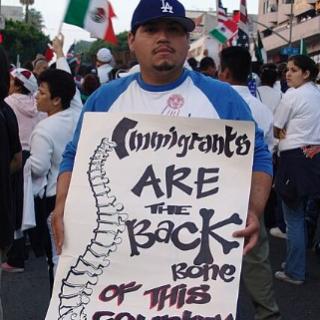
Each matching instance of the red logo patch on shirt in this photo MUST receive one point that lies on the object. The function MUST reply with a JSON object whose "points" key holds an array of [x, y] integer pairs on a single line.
{"points": [[174, 105]]}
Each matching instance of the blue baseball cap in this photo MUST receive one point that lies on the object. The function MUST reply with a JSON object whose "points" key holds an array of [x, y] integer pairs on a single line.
{"points": [[150, 10]]}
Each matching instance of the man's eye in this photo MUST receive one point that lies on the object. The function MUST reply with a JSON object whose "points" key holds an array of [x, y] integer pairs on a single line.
{"points": [[174, 29], [150, 29]]}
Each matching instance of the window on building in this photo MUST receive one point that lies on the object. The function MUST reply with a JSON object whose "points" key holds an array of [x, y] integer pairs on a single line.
{"points": [[287, 1]]}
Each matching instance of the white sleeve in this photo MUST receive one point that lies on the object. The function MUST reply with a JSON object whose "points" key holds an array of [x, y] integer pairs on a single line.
{"points": [[41, 150], [283, 111], [62, 64]]}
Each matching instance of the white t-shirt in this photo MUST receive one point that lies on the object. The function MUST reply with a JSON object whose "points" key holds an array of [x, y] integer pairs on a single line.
{"points": [[103, 72], [299, 114], [271, 97], [261, 114]]}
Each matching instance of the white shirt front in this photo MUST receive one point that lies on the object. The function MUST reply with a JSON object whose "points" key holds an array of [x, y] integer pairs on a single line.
{"points": [[299, 114], [261, 114], [186, 101], [271, 97], [103, 72]]}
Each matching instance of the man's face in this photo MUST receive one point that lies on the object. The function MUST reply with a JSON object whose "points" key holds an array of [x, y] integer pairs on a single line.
{"points": [[44, 101], [160, 47]]}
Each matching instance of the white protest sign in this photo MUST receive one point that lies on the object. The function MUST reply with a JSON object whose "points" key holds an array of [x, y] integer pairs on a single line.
{"points": [[151, 209]]}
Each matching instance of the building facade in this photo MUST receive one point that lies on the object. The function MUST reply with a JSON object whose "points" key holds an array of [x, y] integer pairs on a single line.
{"points": [[284, 23]]}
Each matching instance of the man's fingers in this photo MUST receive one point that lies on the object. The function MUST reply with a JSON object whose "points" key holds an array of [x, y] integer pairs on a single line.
{"points": [[58, 232], [250, 243], [250, 233]]}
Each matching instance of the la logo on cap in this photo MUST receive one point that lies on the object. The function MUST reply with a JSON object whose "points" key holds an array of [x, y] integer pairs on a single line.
{"points": [[166, 8]]}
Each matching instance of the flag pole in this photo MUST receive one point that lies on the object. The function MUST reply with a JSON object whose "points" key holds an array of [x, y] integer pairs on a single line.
{"points": [[64, 14]]}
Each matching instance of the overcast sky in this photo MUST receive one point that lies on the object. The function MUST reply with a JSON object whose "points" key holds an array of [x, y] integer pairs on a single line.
{"points": [[53, 12]]}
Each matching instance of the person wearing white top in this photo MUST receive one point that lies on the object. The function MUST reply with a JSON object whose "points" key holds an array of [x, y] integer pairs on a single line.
{"points": [[266, 93], [103, 64], [297, 126], [235, 67], [47, 143]]}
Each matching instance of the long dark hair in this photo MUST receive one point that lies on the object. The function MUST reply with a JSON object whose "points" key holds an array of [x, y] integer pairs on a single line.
{"points": [[4, 74], [306, 64]]}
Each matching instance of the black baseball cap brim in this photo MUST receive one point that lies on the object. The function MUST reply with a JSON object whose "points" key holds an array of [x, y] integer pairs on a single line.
{"points": [[187, 24]]}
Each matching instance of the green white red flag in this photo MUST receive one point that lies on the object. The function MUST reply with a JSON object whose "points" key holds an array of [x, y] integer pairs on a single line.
{"points": [[95, 16], [226, 28]]}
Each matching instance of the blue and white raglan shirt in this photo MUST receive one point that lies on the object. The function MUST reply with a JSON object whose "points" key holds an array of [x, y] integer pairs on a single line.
{"points": [[192, 95]]}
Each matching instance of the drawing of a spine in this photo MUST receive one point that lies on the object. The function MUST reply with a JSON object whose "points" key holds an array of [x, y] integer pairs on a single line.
{"points": [[77, 287]]}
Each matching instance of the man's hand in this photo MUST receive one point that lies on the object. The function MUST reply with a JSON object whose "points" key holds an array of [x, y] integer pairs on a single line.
{"points": [[259, 193], [58, 212], [57, 45], [58, 229], [250, 233]]}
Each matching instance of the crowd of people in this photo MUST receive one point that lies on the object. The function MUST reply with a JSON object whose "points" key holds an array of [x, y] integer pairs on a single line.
{"points": [[40, 120]]}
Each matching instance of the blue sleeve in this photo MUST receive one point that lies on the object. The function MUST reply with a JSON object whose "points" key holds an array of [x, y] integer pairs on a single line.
{"points": [[100, 101], [230, 106]]}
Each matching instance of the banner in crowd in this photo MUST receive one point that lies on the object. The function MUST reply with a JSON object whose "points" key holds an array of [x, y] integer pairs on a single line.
{"points": [[150, 214]]}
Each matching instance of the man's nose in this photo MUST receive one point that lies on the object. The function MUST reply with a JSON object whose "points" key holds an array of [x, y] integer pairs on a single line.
{"points": [[163, 35]]}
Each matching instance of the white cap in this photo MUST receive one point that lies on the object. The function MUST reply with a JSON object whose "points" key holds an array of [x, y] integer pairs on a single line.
{"points": [[104, 55], [27, 79]]}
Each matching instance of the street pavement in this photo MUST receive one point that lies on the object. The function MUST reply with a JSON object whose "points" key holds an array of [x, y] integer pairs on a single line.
{"points": [[25, 296]]}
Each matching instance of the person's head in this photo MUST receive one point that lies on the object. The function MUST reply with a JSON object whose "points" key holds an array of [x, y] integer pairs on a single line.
{"points": [[193, 63], [90, 83], [40, 64], [159, 38], [28, 65], [235, 65], [300, 70], [4, 74], [22, 81], [56, 90], [103, 56], [268, 74], [208, 67]]}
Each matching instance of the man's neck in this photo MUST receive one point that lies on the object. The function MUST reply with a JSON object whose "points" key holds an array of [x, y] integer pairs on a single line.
{"points": [[160, 78]]}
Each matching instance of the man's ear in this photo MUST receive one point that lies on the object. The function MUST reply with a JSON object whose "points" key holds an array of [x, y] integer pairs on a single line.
{"points": [[131, 38], [224, 75], [306, 75], [57, 101]]}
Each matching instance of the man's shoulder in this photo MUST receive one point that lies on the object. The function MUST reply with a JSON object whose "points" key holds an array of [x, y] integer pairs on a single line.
{"points": [[205, 82], [104, 96]]}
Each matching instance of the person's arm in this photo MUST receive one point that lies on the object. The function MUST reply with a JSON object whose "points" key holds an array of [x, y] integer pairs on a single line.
{"points": [[16, 162], [58, 212], [62, 64], [260, 189], [283, 115], [41, 150], [279, 133]]}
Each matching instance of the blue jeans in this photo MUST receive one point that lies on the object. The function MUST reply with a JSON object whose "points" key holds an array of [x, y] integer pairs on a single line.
{"points": [[296, 241]]}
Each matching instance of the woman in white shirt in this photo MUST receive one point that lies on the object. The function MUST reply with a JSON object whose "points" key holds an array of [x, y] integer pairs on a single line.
{"points": [[47, 143], [297, 125]]}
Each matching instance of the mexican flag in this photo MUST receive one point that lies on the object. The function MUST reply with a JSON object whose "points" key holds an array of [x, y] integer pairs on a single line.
{"points": [[224, 31], [94, 16]]}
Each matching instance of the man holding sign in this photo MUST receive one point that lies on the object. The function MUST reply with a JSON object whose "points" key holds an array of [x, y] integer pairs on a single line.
{"points": [[159, 38]]}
